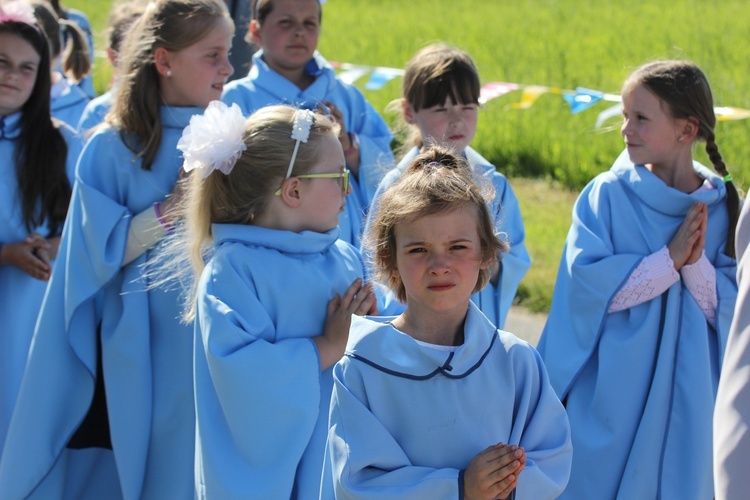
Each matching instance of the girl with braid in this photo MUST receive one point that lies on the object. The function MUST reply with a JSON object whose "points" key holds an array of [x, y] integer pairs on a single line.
{"points": [[644, 298]]}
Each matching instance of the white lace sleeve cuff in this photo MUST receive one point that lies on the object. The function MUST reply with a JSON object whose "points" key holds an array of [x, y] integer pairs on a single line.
{"points": [[700, 280], [651, 277], [144, 232]]}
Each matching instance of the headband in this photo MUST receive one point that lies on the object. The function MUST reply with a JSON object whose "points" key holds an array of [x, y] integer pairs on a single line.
{"points": [[303, 120]]}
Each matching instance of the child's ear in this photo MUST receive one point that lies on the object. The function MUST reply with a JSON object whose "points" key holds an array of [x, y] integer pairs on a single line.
{"points": [[254, 30], [162, 61], [112, 56], [689, 130], [408, 112], [290, 192]]}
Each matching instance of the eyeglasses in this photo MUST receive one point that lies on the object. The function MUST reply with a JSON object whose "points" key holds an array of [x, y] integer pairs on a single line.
{"points": [[333, 175]]}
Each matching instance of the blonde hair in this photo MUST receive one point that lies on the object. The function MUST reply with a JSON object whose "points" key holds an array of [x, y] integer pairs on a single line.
{"points": [[172, 25], [76, 62], [436, 181], [242, 195]]}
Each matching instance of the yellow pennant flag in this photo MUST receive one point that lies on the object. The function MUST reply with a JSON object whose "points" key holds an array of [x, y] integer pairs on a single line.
{"points": [[529, 96], [729, 113]]}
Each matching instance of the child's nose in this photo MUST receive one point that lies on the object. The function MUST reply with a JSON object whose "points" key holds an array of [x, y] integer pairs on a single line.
{"points": [[439, 264]]}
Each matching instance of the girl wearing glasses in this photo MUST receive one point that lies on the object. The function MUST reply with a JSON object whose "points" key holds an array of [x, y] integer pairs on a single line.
{"points": [[273, 303]]}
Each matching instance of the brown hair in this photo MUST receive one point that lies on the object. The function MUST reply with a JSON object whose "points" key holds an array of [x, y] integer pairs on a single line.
{"points": [[684, 88], [260, 9], [76, 62], [173, 25], [122, 17], [436, 181], [436, 72]]}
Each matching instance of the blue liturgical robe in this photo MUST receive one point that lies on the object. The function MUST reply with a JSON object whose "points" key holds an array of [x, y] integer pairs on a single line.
{"points": [[68, 105], [20, 294], [262, 401], [639, 384], [406, 418], [95, 305]]}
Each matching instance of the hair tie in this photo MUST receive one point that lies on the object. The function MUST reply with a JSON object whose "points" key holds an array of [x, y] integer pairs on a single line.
{"points": [[434, 164], [727, 178], [213, 140]]}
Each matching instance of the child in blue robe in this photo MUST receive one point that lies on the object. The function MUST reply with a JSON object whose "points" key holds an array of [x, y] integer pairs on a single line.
{"points": [[644, 299], [440, 103], [36, 174], [273, 303], [110, 370], [437, 402], [68, 99], [300, 76]]}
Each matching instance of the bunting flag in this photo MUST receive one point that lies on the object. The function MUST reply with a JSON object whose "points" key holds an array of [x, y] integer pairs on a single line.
{"points": [[492, 90], [579, 99], [353, 73], [724, 113], [582, 99], [529, 95], [381, 76]]}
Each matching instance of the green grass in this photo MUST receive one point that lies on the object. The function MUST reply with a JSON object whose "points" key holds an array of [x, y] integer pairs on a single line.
{"points": [[565, 43]]}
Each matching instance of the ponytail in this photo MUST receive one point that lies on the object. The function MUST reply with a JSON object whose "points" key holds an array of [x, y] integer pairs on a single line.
{"points": [[733, 197], [76, 59]]}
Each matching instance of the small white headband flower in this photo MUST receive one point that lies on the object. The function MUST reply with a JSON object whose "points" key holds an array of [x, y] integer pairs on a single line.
{"points": [[303, 120], [213, 140], [17, 11]]}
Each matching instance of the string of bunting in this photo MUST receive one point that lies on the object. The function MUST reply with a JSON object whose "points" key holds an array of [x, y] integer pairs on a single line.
{"points": [[579, 99]]}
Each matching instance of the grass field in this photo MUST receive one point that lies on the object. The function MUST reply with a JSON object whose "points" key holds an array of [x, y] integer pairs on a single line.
{"points": [[564, 43]]}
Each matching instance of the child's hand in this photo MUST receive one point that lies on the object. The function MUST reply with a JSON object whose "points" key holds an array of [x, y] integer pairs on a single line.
{"points": [[688, 235], [23, 255], [49, 253], [701, 243], [493, 473], [358, 299]]}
